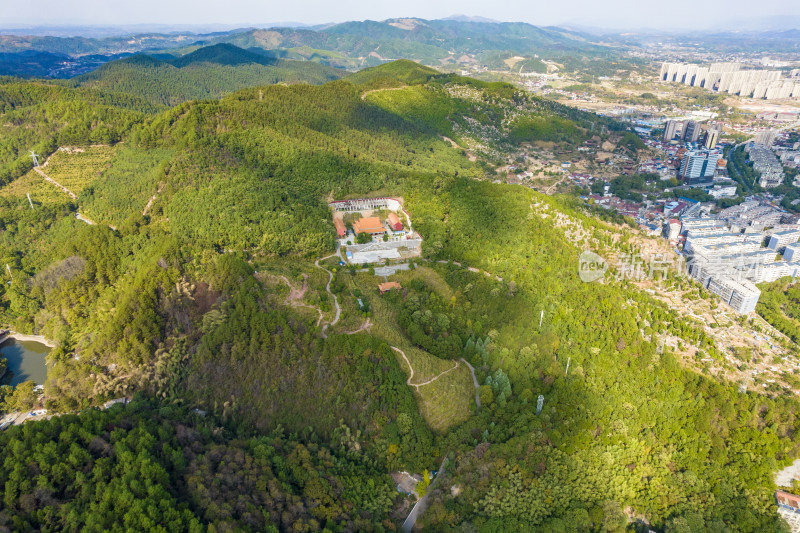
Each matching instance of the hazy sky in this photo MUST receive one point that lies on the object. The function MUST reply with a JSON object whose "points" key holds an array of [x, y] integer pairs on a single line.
{"points": [[672, 14]]}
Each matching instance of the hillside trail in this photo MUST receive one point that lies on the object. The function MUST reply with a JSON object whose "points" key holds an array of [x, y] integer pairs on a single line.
{"points": [[367, 324], [471, 269], [475, 384], [365, 93], [472, 157], [152, 199], [38, 170], [71, 194], [553, 186], [364, 327], [411, 370], [295, 296], [328, 288]]}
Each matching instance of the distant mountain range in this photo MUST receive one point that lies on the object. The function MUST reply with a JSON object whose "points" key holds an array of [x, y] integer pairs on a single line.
{"points": [[208, 72], [451, 43], [457, 40]]}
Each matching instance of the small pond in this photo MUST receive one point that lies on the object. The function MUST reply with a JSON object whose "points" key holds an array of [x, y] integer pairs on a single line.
{"points": [[25, 361]]}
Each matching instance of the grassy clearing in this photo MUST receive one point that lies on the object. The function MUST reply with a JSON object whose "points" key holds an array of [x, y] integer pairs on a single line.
{"points": [[315, 296], [430, 277], [123, 189], [41, 191], [77, 170], [448, 400]]}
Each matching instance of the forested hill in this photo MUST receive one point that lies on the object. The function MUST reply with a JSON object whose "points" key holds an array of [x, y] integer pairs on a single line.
{"points": [[208, 72], [432, 42], [352, 45], [198, 287]]}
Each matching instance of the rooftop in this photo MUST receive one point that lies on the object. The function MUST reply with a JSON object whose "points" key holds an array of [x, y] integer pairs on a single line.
{"points": [[368, 225], [388, 286]]}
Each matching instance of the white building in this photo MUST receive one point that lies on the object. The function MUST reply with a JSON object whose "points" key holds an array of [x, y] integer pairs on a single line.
{"points": [[760, 273], [780, 239], [765, 162], [742, 296], [723, 191], [791, 252]]}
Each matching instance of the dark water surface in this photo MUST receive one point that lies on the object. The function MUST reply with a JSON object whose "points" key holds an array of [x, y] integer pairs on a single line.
{"points": [[25, 361]]}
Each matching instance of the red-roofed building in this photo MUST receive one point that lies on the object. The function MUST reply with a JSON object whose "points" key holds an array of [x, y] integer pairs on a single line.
{"points": [[388, 286], [371, 225], [787, 500], [341, 231], [394, 222]]}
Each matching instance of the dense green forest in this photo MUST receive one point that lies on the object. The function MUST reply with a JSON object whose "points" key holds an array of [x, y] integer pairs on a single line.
{"points": [[40, 116], [145, 467], [217, 206], [208, 72]]}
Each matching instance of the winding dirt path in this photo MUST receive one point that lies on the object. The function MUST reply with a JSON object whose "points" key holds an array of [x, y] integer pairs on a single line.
{"points": [[553, 186], [472, 157], [364, 327], [411, 370], [152, 199], [54, 182], [295, 296], [335, 299]]}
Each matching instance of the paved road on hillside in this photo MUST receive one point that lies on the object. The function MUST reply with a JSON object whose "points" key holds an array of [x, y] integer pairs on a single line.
{"points": [[422, 503]]}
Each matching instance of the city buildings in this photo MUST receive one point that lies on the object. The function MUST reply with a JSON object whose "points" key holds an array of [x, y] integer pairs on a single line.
{"points": [[765, 162], [731, 79], [742, 296], [698, 166], [687, 131], [769, 272], [791, 252], [723, 191], [672, 229], [691, 132], [712, 134], [725, 252], [671, 127], [712, 138], [765, 137], [779, 239]]}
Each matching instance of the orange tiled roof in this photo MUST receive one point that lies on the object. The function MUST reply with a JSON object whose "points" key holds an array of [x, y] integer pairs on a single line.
{"points": [[389, 285], [368, 225]]}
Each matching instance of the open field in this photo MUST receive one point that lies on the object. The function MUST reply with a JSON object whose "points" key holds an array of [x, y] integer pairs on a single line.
{"points": [[41, 192], [447, 401], [76, 169]]}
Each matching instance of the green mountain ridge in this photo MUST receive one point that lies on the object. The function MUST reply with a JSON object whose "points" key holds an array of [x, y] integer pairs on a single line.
{"points": [[208, 72], [208, 294], [359, 44]]}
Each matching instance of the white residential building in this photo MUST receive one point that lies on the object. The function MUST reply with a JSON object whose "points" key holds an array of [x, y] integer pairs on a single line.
{"points": [[780, 239], [742, 296], [760, 273], [791, 252]]}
